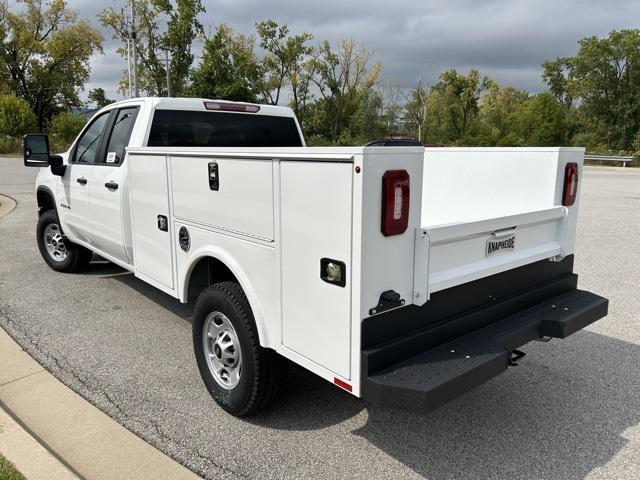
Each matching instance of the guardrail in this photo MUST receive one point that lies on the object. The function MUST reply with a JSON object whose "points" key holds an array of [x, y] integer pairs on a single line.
{"points": [[610, 158]]}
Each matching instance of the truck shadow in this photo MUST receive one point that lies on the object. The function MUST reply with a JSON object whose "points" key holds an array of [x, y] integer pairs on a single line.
{"points": [[561, 414]]}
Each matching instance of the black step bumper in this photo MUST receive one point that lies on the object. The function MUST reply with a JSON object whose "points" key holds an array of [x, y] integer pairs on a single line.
{"points": [[440, 373]]}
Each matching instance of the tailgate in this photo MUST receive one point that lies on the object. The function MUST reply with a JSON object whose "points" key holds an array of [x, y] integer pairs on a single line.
{"points": [[500, 209], [453, 254]]}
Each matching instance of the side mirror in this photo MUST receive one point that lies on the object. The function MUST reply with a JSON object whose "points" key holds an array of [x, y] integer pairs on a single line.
{"points": [[36, 150]]}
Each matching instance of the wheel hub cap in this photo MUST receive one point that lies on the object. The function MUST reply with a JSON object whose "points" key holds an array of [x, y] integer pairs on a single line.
{"points": [[222, 350], [54, 242]]}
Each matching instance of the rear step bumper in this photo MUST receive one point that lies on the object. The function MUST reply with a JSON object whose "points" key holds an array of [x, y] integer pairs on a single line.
{"points": [[438, 375]]}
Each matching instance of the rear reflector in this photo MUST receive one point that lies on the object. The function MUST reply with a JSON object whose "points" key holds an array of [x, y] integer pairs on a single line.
{"points": [[395, 202], [342, 384], [570, 184], [231, 107]]}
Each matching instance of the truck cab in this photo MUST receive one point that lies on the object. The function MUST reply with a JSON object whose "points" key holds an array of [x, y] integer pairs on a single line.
{"points": [[91, 193]]}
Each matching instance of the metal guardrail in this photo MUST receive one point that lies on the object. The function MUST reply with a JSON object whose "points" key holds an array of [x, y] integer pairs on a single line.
{"points": [[610, 158]]}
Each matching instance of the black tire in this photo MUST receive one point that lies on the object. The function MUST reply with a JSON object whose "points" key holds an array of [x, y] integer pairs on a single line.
{"points": [[77, 257], [263, 374]]}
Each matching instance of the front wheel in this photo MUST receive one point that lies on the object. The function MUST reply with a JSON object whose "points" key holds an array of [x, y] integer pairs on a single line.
{"points": [[59, 253], [241, 376]]}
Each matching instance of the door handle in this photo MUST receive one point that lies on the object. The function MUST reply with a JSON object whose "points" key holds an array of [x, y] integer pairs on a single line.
{"points": [[81, 180], [111, 185]]}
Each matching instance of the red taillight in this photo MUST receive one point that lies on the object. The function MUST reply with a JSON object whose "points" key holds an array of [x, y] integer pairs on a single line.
{"points": [[570, 184], [232, 107], [395, 202]]}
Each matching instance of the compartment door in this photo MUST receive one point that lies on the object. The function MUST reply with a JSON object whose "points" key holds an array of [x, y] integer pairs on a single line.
{"points": [[316, 215], [152, 256]]}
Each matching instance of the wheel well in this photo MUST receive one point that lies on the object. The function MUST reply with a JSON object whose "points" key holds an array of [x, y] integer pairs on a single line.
{"points": [[45, 201], [206, 272]]}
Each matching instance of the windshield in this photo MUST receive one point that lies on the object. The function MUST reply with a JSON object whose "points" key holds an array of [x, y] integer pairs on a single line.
{"points": [[184, 128]]}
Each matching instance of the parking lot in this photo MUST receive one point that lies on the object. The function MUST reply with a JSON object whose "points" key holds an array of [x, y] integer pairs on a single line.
{"points": [[571, 410]]}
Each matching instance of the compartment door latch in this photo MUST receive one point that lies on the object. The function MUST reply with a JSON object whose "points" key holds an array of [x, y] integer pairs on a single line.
{"points": [[214, 178]]}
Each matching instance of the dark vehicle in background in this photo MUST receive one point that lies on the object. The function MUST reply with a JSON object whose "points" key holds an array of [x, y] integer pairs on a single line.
{"points": [[395, 142]]}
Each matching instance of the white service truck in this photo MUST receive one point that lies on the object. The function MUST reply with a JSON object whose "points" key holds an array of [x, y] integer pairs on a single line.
{"points": [[403, 275]]}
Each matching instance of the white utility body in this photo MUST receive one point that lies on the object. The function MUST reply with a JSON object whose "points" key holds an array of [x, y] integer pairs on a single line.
{"points": [[402, 274]]}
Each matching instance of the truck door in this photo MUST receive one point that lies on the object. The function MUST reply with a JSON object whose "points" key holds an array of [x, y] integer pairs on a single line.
{"points": [[107, 191], [74, 211]]}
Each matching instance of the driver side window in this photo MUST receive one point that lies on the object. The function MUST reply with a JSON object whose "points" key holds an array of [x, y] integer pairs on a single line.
{"points": [[88, 144]]}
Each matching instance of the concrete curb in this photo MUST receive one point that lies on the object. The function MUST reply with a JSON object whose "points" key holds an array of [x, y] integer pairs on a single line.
{"points": [[27, 454], [73, 435]]}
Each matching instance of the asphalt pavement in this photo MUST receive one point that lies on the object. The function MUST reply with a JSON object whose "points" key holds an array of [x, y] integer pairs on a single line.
{"points": [[571, 410]]}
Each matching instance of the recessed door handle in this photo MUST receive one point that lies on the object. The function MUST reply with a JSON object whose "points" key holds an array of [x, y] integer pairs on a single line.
{"points": [[81, 180], [111, 185]]}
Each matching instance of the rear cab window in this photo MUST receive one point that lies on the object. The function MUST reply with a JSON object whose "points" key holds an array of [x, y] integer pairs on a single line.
{"points": [[184, 128]]}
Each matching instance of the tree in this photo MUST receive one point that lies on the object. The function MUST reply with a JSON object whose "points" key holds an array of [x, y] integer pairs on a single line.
{"points": [[605, 76], [283, 56], [182, 27], [45, 50], [344, 83], [98, 97], [66, 126], [301, 79], [415, 108], [229, 68], [496, 114], [16, 117], [555, 74], [539, 121], [458, 97]]}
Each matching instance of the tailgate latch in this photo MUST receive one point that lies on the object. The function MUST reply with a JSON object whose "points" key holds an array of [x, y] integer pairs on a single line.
{"points": [[388, 299]]}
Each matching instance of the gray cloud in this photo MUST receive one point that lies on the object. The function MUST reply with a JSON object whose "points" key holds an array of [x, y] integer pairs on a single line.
{"points": [[506, 39]]}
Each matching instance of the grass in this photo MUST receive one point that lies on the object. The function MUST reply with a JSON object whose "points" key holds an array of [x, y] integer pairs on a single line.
{"points": [[8, 471]]}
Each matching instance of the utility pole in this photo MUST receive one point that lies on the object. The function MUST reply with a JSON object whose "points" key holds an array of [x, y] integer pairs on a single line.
{"points": [[134, 71], [168, 68], [129, 66]]}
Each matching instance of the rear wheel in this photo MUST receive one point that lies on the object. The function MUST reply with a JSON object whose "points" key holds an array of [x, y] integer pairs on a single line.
{"points": [[59, 253], [241, 376]]}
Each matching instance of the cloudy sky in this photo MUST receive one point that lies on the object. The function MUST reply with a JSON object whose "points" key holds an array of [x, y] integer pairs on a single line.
{"points": [[506, 39]]}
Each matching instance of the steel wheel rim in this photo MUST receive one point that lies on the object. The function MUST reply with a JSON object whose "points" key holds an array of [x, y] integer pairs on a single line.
{"points": [[222, 350], [54, 242]]}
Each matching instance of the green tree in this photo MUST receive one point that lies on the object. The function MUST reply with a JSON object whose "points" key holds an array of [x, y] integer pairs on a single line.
{"points": [[605, 76], [98, 97], [44, 51], [539, 121], [555, 74], [344, 82], [229, 68], [497, 109], [154, 39], [415, 109], [66, 126], [284, 53], [457, 97], [16, 117]]}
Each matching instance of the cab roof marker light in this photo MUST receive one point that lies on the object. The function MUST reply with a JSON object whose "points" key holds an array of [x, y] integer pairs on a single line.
{"points": [[231, 107]]}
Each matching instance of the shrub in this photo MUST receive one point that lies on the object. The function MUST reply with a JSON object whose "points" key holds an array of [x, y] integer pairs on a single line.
{"points": [[10, 145], [64, 128], [16, 117]]}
